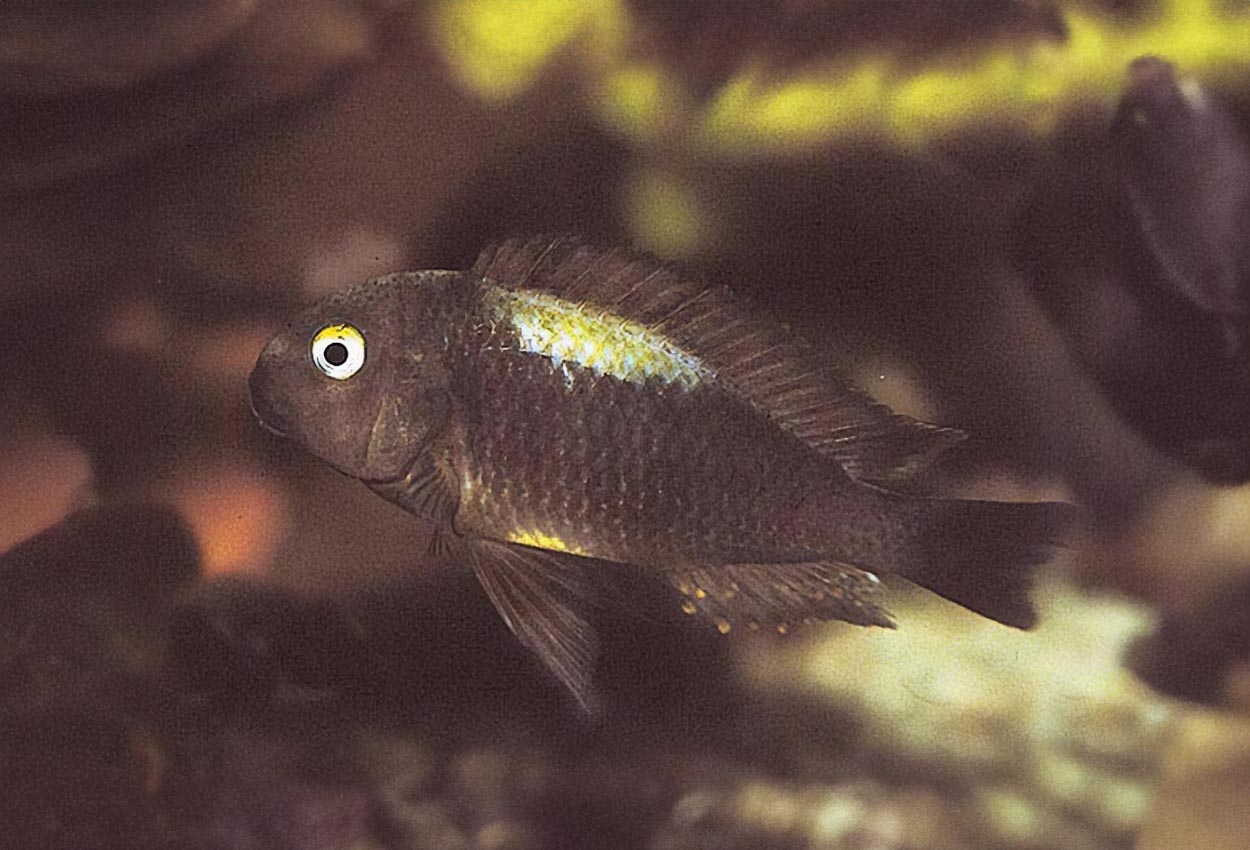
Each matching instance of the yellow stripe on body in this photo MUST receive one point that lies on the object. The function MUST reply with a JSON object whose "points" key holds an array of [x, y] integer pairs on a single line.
{"points": [[539, 540], [607, 345]]}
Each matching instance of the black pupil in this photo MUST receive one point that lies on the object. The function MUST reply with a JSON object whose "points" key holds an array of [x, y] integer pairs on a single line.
{"points": [[336, 354]]}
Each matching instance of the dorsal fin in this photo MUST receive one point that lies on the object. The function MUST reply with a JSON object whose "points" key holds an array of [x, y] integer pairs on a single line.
{"points": [[756, 358]]}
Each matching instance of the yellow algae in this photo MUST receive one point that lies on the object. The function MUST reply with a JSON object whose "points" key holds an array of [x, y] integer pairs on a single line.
{"points": [[497, 48], [1026, 85], [665, 215], [583, 335], [540, 540], [938, 102], [748, 113], [640, 100]]}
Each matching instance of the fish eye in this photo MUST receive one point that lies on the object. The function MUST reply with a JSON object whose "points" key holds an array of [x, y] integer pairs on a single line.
{"points": [[339, 351]]}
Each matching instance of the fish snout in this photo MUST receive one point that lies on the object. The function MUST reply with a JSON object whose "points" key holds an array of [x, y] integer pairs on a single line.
{"points": [[1152, 84], [1149, 71]]}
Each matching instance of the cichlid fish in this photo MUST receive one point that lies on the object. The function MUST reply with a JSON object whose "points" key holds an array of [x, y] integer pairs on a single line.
{"points": [[1184, 170], [559, 406]]}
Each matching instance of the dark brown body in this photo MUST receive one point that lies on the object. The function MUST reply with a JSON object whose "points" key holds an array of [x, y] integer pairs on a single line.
{"points": [[650, 473]]}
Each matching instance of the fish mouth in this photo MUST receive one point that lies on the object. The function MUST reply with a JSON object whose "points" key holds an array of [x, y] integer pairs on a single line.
{"points": [[267, 427], [262, 411]]}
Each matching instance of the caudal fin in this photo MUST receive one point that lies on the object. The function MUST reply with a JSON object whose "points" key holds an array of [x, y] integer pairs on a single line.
{"points": [[983, 555]]}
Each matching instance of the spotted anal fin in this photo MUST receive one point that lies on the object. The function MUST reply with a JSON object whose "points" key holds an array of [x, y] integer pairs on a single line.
{"points": [[757, 359], [781, 596], [542, 597]]}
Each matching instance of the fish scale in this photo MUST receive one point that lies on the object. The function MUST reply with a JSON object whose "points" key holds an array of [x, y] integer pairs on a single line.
{"points": [[538, 441]]}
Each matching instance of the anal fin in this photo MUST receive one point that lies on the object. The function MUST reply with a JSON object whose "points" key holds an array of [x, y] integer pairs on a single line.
{"points": [[542, 597], [780, 596]]}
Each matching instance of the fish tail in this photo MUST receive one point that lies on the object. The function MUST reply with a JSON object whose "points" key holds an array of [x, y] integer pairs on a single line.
{"points": [[982, 555]]}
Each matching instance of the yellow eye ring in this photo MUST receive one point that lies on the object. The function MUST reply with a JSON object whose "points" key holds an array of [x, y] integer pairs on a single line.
{"points": [[338, 350]]}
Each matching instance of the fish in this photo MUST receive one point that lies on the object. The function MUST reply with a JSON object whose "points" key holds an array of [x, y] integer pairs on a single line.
{"points": [[1184, 170], [562, 407], [1139, 255]]}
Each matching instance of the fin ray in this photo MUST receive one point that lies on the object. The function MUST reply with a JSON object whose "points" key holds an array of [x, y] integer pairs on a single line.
{"points": [[781, 595], [429, 490], [541, 599]]}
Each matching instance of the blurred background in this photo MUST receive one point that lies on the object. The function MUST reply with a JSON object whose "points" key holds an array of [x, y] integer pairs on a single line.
{"points": [[208, 639]]}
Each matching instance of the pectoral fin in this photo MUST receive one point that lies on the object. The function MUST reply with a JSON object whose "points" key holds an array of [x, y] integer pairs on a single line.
{"points": [[781, 595], [429, 490], [542, 597]]}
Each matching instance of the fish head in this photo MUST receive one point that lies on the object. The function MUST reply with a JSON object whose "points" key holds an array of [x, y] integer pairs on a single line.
{"points": [[360, 379], [1161, 115]]}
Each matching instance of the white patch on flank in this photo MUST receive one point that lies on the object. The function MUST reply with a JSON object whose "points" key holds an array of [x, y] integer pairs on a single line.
{"points": [[565, 332]]}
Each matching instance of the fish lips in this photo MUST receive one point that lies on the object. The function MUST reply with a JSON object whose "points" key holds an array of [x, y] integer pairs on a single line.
{"points": [[262, 408]]}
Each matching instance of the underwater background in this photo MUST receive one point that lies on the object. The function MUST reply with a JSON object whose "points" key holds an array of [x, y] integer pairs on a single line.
{"points": [[208, 639]]}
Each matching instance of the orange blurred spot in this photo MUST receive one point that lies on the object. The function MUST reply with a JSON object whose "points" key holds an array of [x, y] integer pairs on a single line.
{"points": [[238, 516], [222, 357], [137, 326], [46, 478], [353, 257]]}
